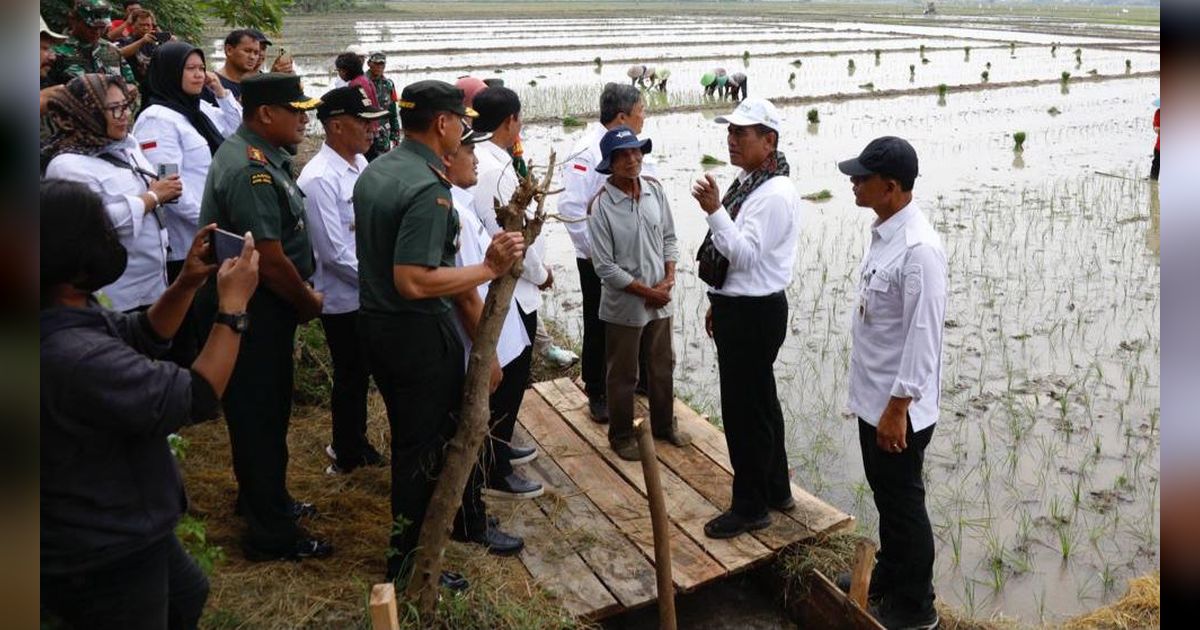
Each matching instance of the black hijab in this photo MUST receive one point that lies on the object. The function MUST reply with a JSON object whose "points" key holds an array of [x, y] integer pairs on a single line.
{"points": [[165, 82]]}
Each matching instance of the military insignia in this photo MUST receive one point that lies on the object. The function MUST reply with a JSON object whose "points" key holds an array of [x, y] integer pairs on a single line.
{"points": [[261, 178], [254, 154]]}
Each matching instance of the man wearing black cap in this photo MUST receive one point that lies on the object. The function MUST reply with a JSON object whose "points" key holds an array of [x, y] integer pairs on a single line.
{"points": [[407, 236], [895, 375], [250, 189], [328, 182]]}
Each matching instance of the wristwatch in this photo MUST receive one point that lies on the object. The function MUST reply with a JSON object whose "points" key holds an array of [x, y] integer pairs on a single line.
{"points": [[239, 322]]}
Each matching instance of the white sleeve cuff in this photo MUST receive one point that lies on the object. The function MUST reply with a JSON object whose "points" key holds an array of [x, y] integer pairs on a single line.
{"points": [[905, 389], [720, 220]]}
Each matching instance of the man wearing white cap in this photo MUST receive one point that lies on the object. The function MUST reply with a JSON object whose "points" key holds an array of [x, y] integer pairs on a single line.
{"points": [[48, 39], [747, 259]]}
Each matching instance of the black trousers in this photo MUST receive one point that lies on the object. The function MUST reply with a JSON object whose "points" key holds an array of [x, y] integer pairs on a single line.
{"points": [[505, 404], [595, 354], [748, 332], [258, 409], [185, 345], [157, 588], [904, 562], [350, 381], [417, 363], [1154, 166]]}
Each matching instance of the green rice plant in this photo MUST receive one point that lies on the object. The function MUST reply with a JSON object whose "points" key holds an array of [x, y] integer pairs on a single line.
{"points": [[988, 65], [966, 53], [942, 88], [984, 75], [1066, 76], [1053, 111], [1128, 66], [870, 87], [571, 121], [922, 50], [1054, 50], [745, 54], [598, 62], [821, 195], [1018, 140], [850, 67], [1078, 54], [792, 79], [533, 83], [797, 63], [1066, 541], [708, 160], [813, 116], [1012, 47], [912, 69]]}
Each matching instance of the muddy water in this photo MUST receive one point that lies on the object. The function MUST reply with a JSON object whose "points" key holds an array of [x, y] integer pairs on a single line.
{"points": [[1049, 431]]}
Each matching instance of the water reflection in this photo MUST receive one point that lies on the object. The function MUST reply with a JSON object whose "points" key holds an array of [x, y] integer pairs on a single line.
{"points": [[1152, 233]]}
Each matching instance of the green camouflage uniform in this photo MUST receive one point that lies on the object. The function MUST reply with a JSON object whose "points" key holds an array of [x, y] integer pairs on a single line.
{"points": [[389, 127], [76, 58]]}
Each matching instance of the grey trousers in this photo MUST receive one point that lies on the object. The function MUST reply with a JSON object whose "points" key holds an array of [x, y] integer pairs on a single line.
{"points": [[623, 345]]}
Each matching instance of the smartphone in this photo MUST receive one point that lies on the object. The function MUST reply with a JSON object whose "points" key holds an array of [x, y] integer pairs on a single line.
{"points": [[226, 245], [162, 37], [166, 170]]}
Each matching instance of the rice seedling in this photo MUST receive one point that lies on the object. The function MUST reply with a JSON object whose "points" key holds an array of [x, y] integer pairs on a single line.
{"points": [[984, 76], [1053, 111], [850, 67], [822, 195], [708, 160], [942, 88], [813, 116], [571, 121], [797, 62], [598, 62], [867, 86], [1128, 66], [1018, 140], [966, 53], [1066, 76], [1054, 50]]}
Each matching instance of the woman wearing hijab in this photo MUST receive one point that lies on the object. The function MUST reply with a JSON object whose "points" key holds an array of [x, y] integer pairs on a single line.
{"points": [[175, 130], [91, 145]]}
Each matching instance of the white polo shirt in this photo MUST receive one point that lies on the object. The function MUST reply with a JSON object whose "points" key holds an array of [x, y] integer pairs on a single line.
{"points": [[896, 328], [328, 185], [761, 242], [473, 241]]}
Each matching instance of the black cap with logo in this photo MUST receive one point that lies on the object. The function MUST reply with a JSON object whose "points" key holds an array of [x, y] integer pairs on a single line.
{"points": [[433, 95], [889, 155], [275, 88], [348, 100]]}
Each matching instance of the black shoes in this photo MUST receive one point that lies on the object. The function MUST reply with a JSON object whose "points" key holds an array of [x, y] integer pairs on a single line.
{"points": [[497, 542], [513, 486], [786, 505], [453, 581], [301, 549], [729, 524], [367, 457], [598, 407], [521, 454], [895, 617]]}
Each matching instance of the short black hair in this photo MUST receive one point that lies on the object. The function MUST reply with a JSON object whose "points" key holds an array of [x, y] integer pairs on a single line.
{"points": [[350, 62], [75, 232], [495, 105], [617, 98], [236, 36]]}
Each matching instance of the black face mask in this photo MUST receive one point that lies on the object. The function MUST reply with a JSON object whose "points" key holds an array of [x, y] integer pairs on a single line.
{"points": [[106, 268]]}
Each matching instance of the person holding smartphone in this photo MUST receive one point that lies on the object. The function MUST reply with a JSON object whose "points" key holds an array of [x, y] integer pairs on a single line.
{"points": [[138, 48]]}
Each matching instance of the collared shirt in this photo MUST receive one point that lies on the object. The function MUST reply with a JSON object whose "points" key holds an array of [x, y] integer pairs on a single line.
{"points": [[761, 243], [166, 137], [472, 247], [581, 182], [142, 233], [403, 216], [497, 181], [632, 239], [328, 184], [897, 324]]}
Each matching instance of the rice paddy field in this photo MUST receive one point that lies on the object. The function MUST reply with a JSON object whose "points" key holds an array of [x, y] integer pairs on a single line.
{"points": [[1043, 473]]}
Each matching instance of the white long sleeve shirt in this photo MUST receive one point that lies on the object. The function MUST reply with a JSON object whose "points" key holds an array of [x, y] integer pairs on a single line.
{"points": [[761, 242], [473, 241], [328, 185], [581, 182], [140, 232], [497, 181], [166, 137], [897, 324]]}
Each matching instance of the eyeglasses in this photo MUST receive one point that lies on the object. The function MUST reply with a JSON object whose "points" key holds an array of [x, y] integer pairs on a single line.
{"points": [[120, 110]]}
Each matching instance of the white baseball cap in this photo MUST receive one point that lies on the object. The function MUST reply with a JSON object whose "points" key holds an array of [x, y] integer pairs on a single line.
{"points": [[754, 111], [358, 49]]}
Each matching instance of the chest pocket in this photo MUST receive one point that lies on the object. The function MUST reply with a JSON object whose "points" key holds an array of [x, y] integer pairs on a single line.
{"points": [[881, 297]]}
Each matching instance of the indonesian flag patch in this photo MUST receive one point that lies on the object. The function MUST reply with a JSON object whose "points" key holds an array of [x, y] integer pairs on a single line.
{"points": [[149, 144], [579, 167]]}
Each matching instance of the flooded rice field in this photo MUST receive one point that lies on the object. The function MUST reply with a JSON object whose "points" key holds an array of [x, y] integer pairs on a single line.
{"points": [[1043, 471]]}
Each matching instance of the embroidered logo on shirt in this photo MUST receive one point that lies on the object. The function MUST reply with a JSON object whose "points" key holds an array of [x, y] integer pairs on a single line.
{"points": [[261, 178], [256, 155]]}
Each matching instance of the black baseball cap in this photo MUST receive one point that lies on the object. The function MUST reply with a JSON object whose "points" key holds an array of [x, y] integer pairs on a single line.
{"points": [[348, 100], [889, 155], [275, 88], [433, 95], [259, 35]]}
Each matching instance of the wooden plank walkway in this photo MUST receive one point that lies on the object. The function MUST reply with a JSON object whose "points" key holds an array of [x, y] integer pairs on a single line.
{"points": [[589, 540]]}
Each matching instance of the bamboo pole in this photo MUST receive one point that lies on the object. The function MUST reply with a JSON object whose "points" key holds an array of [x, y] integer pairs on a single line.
{"points": [[661, 525]]}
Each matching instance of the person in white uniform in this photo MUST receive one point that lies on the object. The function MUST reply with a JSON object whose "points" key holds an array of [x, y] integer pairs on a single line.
{"points": [[499, 111], [178, 131], [620, 105], [92, 145], [747, 260], [328, 181], [895, 374]]}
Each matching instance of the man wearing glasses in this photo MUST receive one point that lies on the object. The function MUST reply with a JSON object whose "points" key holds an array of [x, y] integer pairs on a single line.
{"points": [[250, 189]]}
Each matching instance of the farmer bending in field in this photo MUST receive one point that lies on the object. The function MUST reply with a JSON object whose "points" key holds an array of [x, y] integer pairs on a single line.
{"points": [[735, 87], [713, 81], [895, 376], [644, 76]]}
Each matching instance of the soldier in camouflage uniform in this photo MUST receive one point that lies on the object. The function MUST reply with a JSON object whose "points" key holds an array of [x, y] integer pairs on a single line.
{"points": [[388, 134], [85, 51]]}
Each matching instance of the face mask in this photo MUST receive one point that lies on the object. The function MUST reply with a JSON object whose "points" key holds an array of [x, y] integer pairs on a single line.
{"points": [[106, 269]]}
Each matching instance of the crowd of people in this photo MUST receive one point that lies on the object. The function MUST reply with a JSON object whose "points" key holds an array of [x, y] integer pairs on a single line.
{"points": [[181, 251]]}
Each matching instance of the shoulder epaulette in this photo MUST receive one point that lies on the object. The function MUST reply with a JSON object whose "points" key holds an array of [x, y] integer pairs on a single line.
{"points": [[254, 154]]}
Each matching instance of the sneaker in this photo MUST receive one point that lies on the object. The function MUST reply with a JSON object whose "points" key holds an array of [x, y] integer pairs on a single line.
{"points": [[895, 617], [513, 486], [498, 543], [730, 524], [627, 449], [521, 454], [678, 437], [560, 357], [301, 549], [598, 407], [369, 457]]}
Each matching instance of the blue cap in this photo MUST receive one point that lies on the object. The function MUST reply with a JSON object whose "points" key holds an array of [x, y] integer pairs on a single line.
{"points": [[616, 139]]}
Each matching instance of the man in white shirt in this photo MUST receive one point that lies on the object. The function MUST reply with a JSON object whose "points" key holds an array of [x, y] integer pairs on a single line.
{"points": [[895, 374], [499, 111], [619, 105], [753, 229], [328, 182]]}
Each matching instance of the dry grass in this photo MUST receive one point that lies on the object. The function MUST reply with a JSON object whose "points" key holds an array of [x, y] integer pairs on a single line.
{"points": [[1139, 608]]}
